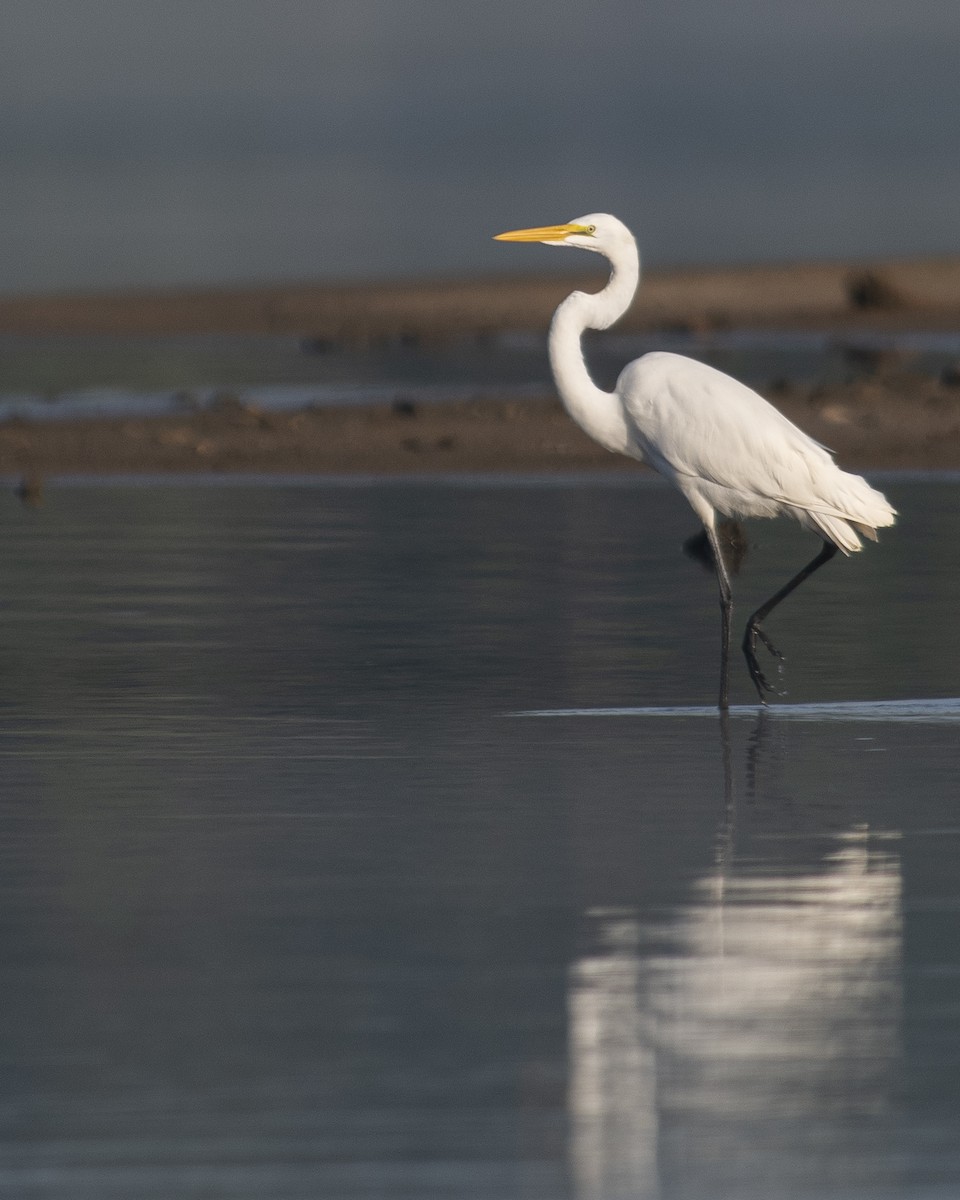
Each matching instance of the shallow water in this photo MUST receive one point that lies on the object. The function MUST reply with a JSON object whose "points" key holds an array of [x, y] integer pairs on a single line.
{"points": [[47, 377], [295, 902]]}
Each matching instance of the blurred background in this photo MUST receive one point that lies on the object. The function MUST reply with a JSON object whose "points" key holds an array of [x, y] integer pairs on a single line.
{"points": [[299, 895], [222, 141]]}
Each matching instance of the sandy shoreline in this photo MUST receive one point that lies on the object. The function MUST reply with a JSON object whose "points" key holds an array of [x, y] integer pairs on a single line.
{"points": [[923, 294], [893, 422], [890, 420]]}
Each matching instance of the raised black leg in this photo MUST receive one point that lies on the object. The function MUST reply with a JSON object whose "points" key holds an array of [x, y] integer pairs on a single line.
{"points": [[726, 615], [753, 630]]}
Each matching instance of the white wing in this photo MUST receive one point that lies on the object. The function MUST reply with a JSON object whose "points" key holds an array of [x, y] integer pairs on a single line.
{"points": [[720, 441], [702, 423]]}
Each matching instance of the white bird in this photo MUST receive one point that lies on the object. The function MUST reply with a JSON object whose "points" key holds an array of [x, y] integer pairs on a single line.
{"points": [[720, 443]]}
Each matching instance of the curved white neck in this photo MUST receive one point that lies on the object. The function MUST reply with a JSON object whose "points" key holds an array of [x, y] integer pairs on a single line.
{"points": [[597, 412]]}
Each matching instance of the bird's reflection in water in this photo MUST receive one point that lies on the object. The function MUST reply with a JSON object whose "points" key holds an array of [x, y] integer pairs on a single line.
{"points": [[613, 1099], [748, 1041]]}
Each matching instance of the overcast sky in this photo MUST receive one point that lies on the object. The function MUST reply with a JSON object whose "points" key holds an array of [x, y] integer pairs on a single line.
{"points": [[208, 141]]}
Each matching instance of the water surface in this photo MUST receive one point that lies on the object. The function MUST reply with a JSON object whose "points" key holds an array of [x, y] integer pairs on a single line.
{"points": [[294, 904], [48, 377]]}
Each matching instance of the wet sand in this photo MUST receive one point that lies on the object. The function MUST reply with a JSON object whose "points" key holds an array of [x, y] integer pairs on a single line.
{"points": [[892, 419], [898, 421]]}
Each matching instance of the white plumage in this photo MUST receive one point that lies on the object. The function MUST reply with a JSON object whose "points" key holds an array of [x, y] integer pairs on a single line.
{"points": [[730, 451], [720, 443]]}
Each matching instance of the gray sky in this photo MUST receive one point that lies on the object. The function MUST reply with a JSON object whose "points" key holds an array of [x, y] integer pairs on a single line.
{"points": [[209, 141]]}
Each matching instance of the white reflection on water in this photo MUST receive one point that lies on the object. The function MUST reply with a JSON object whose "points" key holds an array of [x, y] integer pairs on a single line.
{"points": [[612, 1094], [742, 1037], [938, 711]]}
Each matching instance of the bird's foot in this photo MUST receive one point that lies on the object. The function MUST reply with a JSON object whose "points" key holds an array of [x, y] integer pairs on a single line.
{"points": [[763, 685]]}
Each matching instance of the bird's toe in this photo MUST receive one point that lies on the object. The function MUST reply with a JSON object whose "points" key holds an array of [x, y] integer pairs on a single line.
{"points": [[760, 681], [768, 644]]}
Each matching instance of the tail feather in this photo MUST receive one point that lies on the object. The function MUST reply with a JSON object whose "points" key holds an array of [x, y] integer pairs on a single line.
{"points": [[866, 531], [833, 529], [855, 508]]}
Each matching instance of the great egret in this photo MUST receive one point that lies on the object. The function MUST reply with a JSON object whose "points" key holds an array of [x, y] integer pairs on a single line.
{"points": [[722, 445]]}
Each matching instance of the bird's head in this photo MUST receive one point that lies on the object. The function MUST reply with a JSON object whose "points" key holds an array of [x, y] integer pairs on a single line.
{"points": [[596, 231]]}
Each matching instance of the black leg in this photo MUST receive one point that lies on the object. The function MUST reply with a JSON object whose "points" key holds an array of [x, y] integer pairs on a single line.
{"points": [[753, 630], [730, 535], [726, 615]]}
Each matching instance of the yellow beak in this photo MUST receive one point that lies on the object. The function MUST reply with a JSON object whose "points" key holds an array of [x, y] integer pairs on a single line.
{"points": [[543, 233]]}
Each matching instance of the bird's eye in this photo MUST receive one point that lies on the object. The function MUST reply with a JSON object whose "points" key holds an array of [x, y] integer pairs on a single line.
{"points": [[591, 229]]}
